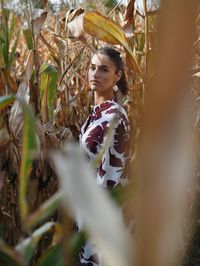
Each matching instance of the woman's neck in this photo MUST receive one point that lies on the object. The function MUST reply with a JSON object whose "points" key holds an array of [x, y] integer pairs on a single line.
{"points": [[98, 99]]}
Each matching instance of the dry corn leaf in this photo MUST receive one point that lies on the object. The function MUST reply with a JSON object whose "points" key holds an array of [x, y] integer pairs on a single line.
{"points": [[15, 118], [76, 30], [39, 17], [129, 15], [109, 31]]}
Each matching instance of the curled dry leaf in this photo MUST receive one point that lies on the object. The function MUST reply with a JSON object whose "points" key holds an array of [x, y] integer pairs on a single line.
{"points": [[129, 20], [39, 17], [129, 15], [15, 118], [76, 30], [99, 215], [75, 13]]}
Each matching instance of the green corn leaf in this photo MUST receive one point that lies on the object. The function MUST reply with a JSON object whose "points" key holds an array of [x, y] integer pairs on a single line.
{"points": [[9, 256], [4, 38], [141, 40], [47, 68], [13, 50], [6, 14], [27, 155], [77, 241], [28, 38], [49, 77], [28, 245], [6, 100], [28, 149], [118, 195], [4, 52], [53, 257]]}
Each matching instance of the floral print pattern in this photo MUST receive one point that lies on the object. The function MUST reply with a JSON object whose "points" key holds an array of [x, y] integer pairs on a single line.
{"points": [[112, 170]]}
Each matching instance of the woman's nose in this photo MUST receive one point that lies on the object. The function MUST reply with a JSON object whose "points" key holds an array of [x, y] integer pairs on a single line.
{"points": [[96, 73]]}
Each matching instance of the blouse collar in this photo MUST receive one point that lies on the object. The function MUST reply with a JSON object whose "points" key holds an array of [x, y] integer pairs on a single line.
{"points": [[102, 106]]}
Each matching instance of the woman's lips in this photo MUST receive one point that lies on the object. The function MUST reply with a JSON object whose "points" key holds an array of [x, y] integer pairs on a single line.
{"points": [[95, 82]]}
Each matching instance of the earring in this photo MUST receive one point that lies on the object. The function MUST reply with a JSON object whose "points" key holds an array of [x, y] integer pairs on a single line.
{"points": [[115, 88]]}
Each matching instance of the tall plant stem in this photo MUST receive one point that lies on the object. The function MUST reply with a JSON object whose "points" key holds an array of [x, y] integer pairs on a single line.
{"points": [[36, 63], [146, 28], [146, 47]]}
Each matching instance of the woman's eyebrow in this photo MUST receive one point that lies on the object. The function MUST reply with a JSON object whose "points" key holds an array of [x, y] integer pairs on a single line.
{"points": [[101, 66], [105, 66]]}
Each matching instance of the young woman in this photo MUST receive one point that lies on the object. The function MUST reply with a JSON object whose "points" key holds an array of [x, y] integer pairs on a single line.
{"points": [[107, 80]]}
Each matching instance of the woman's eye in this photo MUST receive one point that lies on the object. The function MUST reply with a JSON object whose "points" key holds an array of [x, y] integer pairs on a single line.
{"points": [[92, 68], [104, 70]]}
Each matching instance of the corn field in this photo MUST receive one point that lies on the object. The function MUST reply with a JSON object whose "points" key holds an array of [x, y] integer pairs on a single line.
{"points": [[44, 100]]}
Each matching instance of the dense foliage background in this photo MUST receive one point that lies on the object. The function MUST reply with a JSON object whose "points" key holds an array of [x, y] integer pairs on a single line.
{"points": [[45, 51]]}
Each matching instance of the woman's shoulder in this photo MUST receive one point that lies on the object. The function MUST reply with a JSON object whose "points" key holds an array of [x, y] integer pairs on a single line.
{"points": [[116, 109]]}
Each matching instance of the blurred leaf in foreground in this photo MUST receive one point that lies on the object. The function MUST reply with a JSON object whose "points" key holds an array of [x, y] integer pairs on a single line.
{"points": [[10, 256], [28, 245], [99, 215], [27, 155], [53, 257], [28, 148]]}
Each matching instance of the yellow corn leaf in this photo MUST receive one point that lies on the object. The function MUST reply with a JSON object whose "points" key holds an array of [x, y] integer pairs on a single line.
{"points": [[109, 31]]}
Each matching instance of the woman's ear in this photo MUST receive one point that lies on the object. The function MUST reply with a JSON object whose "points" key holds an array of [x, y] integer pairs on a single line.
{"points": [[119, 74]]}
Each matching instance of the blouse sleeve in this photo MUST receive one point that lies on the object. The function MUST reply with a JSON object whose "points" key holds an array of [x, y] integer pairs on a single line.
{"points": [[114, 163]]}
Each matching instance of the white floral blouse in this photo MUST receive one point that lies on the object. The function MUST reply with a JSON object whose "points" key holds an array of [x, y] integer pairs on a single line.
{"points": [[112, 170]]}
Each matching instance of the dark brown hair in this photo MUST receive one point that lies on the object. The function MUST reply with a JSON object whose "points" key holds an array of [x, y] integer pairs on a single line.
{"points": [[115, 56]]}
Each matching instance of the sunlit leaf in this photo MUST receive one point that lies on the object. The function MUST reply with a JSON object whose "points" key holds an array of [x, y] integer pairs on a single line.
{"points": [[49, 77], [12, 26], [99, 215], [108, 31], [28, 246]]}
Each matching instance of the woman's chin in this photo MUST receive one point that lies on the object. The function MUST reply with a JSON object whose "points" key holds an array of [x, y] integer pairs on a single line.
{"points": [[94, 88]]}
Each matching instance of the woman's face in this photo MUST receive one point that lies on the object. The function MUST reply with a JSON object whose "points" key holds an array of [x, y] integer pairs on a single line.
{"points": [[103, 74]]}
